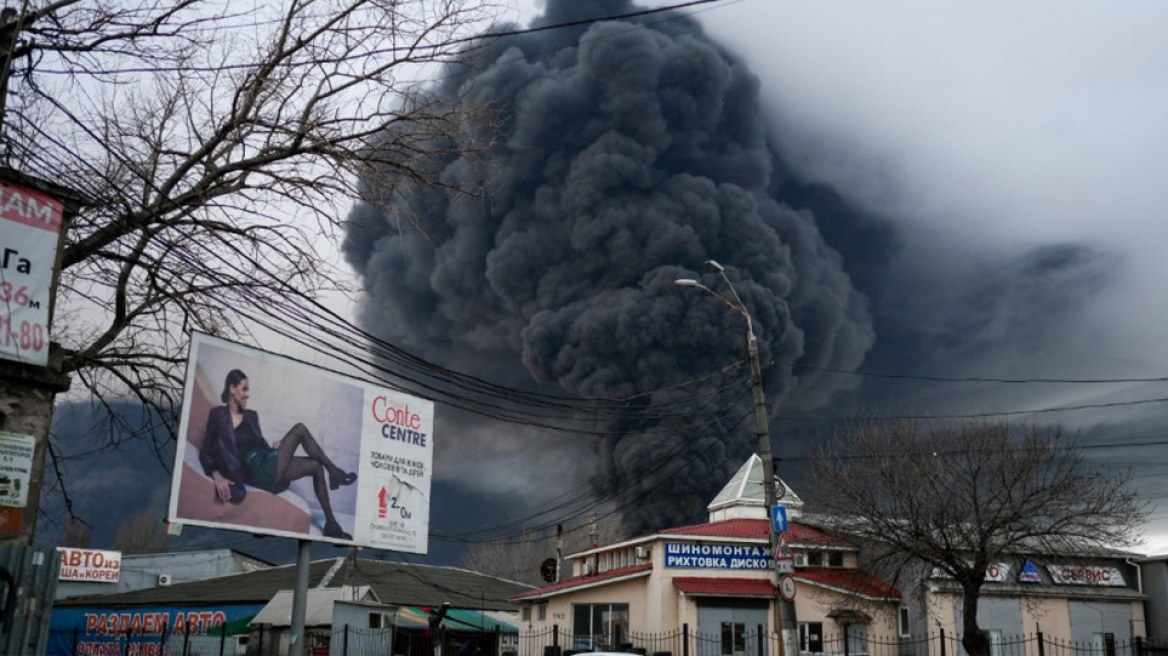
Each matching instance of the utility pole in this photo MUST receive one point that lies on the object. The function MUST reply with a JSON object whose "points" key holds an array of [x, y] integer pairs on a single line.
{"points": [[785, 617]]}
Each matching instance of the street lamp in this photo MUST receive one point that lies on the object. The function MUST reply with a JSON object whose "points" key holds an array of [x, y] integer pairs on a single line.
{"points": [[785, 609]]}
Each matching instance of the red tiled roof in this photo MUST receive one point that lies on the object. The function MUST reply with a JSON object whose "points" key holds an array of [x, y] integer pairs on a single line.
{"points": [[759, 529], [586, 580], [851, 580], [694, 585]]}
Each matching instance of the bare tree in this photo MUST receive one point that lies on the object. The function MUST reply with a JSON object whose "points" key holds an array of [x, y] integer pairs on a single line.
{"points": [[216, 145], [962, 497], [142, 533], [77, 534], [518, 557]]}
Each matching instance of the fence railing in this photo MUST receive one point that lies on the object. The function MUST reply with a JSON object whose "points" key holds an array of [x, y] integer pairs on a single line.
{"points": [[357, 641]]}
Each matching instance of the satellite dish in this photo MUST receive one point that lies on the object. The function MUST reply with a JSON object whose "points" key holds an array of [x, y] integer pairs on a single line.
{"points": [[547, 570]]}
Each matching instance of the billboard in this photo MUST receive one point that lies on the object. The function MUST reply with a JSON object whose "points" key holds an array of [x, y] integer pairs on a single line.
{"points": [[274, 446], [30, 227], [91, 565]]}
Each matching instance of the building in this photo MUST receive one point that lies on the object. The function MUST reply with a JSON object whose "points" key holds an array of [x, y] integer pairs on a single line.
{"points": [[142, 571], [215, 612], [713, 583], [708, 588], [1154, 579]]}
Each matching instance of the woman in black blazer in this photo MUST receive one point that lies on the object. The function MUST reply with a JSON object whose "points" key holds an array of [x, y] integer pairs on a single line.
{"points": [[235, 454]]}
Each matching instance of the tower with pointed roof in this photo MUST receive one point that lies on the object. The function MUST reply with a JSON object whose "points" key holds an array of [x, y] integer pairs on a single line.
{"points": [[743, 497]]}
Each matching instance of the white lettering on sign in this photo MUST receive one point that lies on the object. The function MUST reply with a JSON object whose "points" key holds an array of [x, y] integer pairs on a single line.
{"points": [[91, 565], [717, 556], [1086, 575]]}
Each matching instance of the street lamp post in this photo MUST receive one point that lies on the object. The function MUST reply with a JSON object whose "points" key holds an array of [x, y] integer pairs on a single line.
{"points": [[785, 610]]}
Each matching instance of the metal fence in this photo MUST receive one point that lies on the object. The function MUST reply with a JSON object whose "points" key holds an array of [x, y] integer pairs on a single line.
{"points": [[356, 641]]}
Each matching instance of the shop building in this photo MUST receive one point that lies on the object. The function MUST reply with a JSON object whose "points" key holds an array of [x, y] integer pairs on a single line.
{"points": [[716, 581], [378, 603], [712, 583]]}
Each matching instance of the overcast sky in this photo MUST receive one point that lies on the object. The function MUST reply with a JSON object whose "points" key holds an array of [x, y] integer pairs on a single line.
{"points": [[987, 133]]}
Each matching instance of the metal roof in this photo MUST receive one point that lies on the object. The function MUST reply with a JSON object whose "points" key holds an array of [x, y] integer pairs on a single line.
{"points": [[392, 583]]}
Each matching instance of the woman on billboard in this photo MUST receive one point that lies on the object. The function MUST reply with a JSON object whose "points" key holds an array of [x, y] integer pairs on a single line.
{"points": [[235, 454]]}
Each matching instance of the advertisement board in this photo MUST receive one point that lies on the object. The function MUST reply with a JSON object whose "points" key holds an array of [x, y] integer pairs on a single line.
{"points": [[30, 226], [90, 565], [274, 446]]}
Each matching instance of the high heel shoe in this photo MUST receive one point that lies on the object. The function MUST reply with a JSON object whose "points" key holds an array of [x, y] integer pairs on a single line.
{"points": [[334, 530], [341, 478]]}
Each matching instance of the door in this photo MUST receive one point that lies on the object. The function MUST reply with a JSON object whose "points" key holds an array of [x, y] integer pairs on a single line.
{"points": [[732, 628]]}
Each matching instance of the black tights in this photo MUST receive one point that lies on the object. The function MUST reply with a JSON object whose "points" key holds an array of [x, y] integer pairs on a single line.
{"points": [[290, 467]]}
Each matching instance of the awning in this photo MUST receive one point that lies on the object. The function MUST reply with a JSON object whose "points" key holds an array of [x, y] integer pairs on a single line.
{"points": [[724, 587], [457, 619]]}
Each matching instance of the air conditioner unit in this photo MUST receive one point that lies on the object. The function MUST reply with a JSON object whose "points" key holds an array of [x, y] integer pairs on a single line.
{"points": [[163, 580], [800, 560], [642, 553]]}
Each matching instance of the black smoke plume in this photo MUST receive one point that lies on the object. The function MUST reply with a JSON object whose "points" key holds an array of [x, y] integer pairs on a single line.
{"points": [[624, 154]]}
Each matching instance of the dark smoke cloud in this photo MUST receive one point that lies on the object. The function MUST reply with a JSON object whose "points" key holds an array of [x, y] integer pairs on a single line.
{"points": [[626, 153]]}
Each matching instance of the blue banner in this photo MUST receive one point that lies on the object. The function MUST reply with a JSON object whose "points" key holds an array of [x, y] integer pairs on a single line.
{"points": [[689, 555], [140, 631]]}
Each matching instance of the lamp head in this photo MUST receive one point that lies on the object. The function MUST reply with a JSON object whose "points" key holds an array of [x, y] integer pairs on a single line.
{"points": [[713, 266], [686, 282]]}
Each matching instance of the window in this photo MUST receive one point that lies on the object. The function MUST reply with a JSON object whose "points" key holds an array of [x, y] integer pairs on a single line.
{"points": [[902, 622], [858, 639], [815, 559], [1102, 644], [733, 638], [376, 621], [811, 636], [599, 627], [541, 612], [525, 613], [835, 559], [995, 636]]}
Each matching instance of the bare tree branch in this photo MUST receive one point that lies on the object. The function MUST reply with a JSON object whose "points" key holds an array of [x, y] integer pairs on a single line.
{"points": [[957, 499]]}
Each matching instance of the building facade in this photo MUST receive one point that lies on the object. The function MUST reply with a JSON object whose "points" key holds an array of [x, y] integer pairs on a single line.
{"points": [[714, 584]]}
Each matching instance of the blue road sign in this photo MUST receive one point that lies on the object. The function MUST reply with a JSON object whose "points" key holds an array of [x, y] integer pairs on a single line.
{"points": [[779, 518]]}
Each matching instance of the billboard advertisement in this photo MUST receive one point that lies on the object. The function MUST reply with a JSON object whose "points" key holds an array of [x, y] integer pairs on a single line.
{"points": [[274, 446], [30, 227], [91, 565]]}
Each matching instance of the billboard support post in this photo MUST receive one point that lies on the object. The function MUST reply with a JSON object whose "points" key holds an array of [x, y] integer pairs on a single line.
{"points": [[299, 599]]}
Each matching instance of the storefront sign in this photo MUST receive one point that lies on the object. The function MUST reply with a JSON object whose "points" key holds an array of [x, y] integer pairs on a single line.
{"points": [[146, 631], [1086, 575], [1029, 573], [15, 468], [998, 573], [92, 565], [689, 555], [30, 226], [995, 573]]}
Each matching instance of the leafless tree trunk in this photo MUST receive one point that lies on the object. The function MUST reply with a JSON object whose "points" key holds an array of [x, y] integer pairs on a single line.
{"points": [[959, 498]]}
